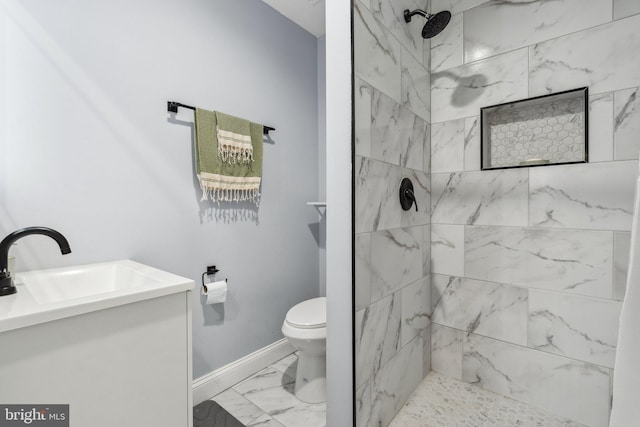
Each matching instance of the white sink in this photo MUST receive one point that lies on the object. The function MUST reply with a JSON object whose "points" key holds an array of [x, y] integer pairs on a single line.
{"points": [[48, 295], [79, 282]]}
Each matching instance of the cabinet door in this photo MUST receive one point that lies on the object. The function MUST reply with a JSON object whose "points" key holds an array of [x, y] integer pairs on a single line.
{"points": [[123, 366]]}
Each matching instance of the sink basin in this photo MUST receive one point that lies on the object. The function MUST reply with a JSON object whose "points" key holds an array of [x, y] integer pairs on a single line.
{"points": [[48, 295], [48, 287]]}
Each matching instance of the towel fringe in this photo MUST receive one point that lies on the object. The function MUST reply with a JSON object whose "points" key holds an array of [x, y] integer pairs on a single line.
{"points": [[230, 194], [230, 154], [234, 147]]}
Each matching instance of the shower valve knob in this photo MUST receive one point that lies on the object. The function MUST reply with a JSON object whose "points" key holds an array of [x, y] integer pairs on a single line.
{"points": [[407, 196]]}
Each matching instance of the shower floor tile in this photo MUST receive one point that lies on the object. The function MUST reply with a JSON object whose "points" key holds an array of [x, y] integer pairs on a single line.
{"points": [[266, 399], [441, 401]]}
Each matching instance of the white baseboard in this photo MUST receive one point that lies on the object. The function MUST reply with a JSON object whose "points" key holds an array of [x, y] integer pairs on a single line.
{"points": [[215, 382]]}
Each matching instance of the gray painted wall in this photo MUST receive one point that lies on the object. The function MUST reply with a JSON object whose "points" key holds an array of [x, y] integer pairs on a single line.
{"points": [[87, 147]]}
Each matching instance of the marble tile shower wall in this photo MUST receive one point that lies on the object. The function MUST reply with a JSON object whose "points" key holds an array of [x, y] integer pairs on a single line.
{"points": [[393, 294], [529, 265]]}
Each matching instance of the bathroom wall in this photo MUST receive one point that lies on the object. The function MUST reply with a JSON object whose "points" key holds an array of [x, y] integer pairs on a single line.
{"points": [[87, 147], [322, 160], [392, 288], [339, 286], [529, 265]]}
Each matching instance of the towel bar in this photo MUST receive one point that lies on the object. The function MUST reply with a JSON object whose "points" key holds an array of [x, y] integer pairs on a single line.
{"points": [[172, 107]]}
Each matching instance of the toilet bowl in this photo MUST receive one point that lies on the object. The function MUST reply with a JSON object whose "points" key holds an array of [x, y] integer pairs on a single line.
{"points": [[305, 326]]}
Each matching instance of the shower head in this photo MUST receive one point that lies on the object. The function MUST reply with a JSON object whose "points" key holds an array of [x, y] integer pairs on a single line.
{"points": [[435, 23]]}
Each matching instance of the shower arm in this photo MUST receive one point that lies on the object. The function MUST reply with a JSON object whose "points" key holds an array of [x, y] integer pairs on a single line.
{"points": [[408, 14]]}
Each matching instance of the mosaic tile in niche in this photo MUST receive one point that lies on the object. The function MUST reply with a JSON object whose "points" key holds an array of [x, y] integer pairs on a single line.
{"points": [[550, 131]]}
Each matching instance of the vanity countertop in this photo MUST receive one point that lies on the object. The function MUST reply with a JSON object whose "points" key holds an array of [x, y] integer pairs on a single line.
{"points": [[48, 295]]}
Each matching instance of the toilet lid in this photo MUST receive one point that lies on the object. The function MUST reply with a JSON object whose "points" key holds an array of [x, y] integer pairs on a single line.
{"points": [[308, 314]]}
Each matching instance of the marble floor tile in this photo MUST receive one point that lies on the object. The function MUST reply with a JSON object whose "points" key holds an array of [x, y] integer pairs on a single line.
{"points": [[272, 391], [569, 62], [519, 24], [267, 395], [288, 365], [264, 421], [440, 401], [269, 378], [242, 409]]}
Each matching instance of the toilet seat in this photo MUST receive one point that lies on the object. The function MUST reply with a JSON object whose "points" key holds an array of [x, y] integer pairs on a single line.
{"points": [[309, 314]]}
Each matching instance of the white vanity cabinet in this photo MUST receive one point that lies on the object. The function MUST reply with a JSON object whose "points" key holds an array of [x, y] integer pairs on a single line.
{"points": [[125, 365]]}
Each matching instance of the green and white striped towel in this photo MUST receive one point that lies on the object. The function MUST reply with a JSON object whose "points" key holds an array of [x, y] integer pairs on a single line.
{"points": [[222, 180], [234, 138]]}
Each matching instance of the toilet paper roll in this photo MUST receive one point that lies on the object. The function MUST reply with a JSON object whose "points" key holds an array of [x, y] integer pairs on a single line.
{"points": [[216, 292]]}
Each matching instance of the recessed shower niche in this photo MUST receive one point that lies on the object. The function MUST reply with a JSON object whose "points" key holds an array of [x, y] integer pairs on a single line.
{"points": [[545, 130]]}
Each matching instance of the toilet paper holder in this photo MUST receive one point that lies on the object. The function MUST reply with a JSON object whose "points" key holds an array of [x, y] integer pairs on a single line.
{"points": [[211, 269]]}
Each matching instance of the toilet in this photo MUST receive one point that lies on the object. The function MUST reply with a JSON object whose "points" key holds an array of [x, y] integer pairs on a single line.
{"points": [[305, 326]]}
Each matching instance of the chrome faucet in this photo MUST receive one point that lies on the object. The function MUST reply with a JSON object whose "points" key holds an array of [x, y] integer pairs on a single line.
{"points": [[6, 281]]}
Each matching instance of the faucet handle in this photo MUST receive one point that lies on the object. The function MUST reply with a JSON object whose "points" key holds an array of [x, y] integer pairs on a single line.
{"points": [[6, 284], [412, 197], [407, 196]]}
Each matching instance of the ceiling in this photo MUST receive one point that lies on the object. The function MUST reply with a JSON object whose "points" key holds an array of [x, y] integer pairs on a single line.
{"points": [[309, 14]]}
